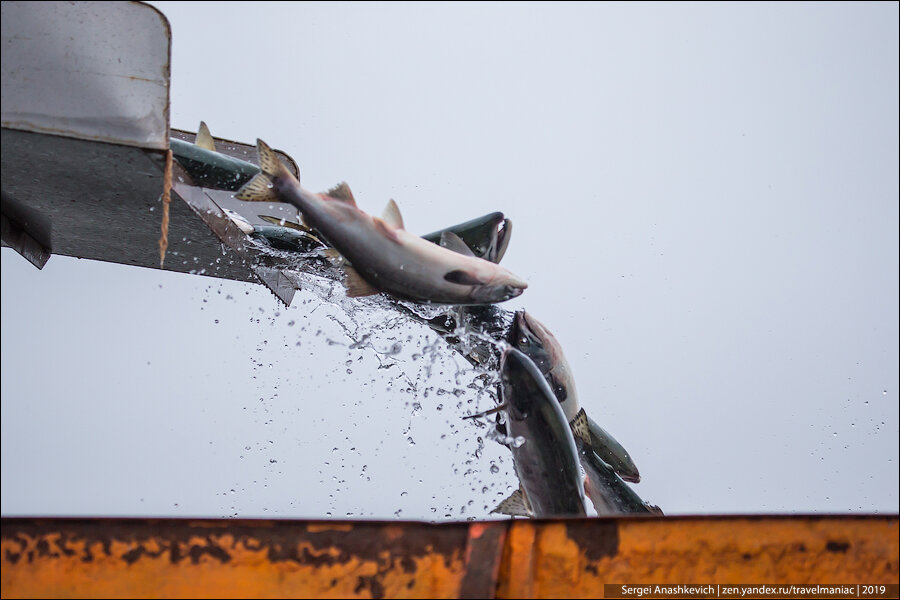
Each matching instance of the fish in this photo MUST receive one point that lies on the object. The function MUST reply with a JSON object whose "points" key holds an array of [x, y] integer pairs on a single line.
{"points": [[609, 494], [208, 167], [380, 255], [486, 236], [281, 235], [551, 484], [531, 337]]}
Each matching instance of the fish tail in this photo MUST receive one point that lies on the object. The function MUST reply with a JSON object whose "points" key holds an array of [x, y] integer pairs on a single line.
{"points": [[262, 187]]}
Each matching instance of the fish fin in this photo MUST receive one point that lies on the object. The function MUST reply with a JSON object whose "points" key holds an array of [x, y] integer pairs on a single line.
{"points": [[654, 509], [356, 285], [503, 234], [580, 427], [331, 253], [516, 505], [388, 231], [261, 188], [204, 138], [284, 223], [269, 162], [462, 277], [451, 241], [342, 192], [392, 216]]}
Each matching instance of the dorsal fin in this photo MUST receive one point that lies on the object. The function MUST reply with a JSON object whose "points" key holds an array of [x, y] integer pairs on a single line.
{"points": [[204, 138], [516, 505], [451, 241], [580, 428], [392, 216], [386, 230], [342, 192]]}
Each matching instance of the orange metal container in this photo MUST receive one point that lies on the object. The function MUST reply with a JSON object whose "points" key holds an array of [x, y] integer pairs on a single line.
{"points": [[146, 558]]}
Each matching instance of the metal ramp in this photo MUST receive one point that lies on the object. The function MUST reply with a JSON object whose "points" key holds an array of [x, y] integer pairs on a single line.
{"points": [[85, 139]]}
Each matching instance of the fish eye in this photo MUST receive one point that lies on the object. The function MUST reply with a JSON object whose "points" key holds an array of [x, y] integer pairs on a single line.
{"points": [[523, 341]]}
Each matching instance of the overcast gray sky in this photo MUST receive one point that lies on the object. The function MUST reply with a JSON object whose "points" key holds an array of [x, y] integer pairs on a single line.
{"points": [[705, 205]]}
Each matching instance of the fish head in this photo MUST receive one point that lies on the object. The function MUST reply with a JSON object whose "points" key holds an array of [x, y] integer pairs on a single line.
{"points": [[497, 285], [531, 337], [489, 294], [521, 382], [242, 223]]}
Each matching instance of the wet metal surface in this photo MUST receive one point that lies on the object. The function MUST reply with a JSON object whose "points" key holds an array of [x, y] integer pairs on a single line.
{"points": [[89, 70], [103, 202], [506, 559]]}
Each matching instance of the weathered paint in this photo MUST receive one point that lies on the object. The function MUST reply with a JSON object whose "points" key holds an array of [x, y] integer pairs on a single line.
{"points": [[71, 558], [144, 558], [576, 558]]}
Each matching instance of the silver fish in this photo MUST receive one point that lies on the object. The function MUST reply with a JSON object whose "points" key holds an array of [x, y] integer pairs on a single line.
{"points": [[544, 453], [383, 256], [281, 235], [487, 236], [531, 337], [608, 493]]}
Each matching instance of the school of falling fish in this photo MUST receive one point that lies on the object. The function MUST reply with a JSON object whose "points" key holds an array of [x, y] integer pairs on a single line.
{"points": [[559, 453]]}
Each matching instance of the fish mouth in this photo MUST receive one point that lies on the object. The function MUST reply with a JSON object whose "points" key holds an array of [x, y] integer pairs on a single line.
{"points": [[635, 478], [535, 327], [503, 231], [513, 359], [521, 333], [489, 294], [513, 366], [512, 291]]}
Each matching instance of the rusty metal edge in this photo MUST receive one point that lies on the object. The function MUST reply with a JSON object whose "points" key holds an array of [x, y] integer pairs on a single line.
{"points": [[490, 554]]}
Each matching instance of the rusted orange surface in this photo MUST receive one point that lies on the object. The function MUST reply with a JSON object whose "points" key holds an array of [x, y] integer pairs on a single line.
{"points": [[525, 559], [575, 559]]}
